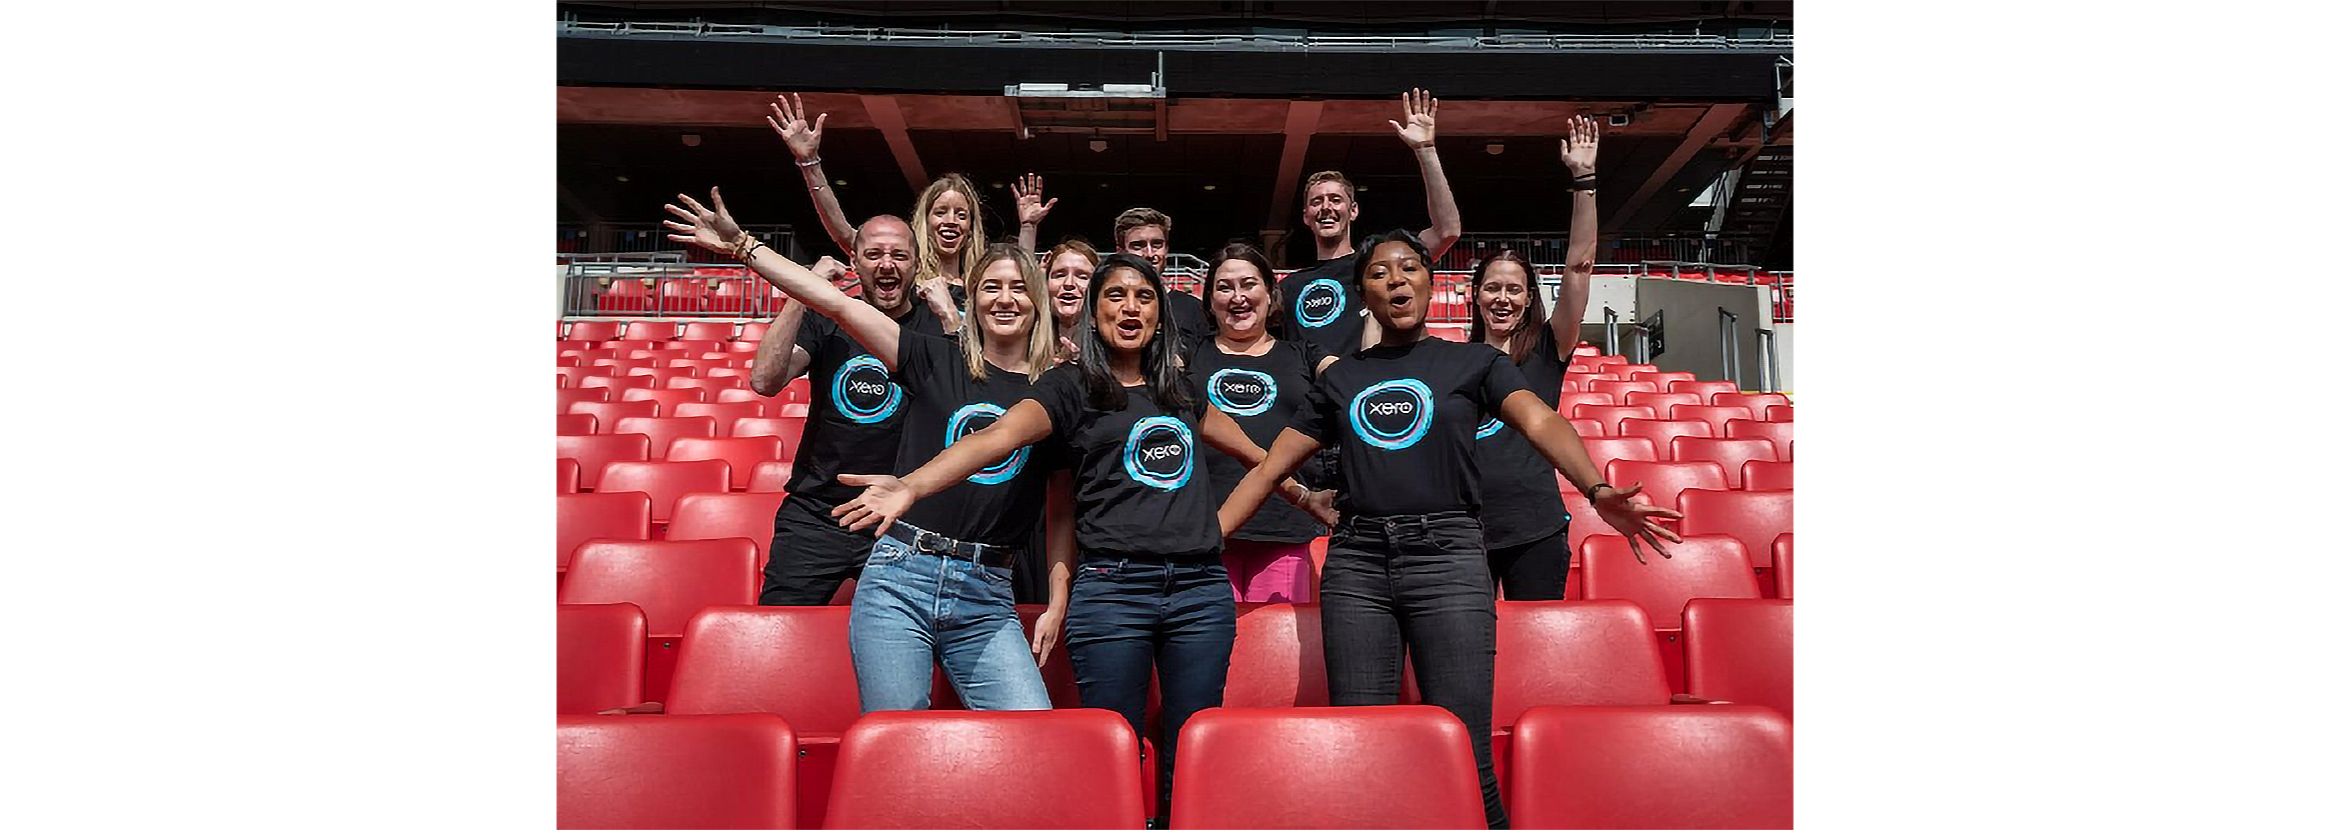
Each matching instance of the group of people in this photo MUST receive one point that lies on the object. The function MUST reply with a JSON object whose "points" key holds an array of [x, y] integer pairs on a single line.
{"points": [[972, 409]]}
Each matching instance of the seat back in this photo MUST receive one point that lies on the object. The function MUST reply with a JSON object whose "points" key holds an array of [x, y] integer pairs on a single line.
{"points": [[741, 455], [789, 661], [770, 476], [650, 329], [1587, 428], [1609, 416], [662, 432], [1742, 651], [599, 657], [1701, 566], [1568, 401], [615, 385], [1568, 652], [1754, 517], [1326, 767], [1661, 482], [566, 475], [565, 399], [608, 414], [788, 429], [575, 424], [727, 516], [670, 580], [1758, 403], [1277, 658], [583, 516], [1661, 401], [1731, 453], [1053, 768], [593, 452], [1652, 766], [665, 401], [1702, 387], [1783, 564], [1719, 416], [675, 771], [665, 481], [593, 330], [708, 331], [1781, 434], [1770, 475], [1619, 388], [726, 413]]}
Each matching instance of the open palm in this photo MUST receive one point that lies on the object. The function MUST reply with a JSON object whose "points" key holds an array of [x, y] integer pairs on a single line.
{"points": [[1580, 149], [1418, 129], [1028, 194], [1636, 520], [790, 120], [711, 229]]}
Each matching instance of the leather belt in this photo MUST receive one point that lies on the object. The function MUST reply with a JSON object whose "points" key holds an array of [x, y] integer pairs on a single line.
{"points": [[933, 544]]}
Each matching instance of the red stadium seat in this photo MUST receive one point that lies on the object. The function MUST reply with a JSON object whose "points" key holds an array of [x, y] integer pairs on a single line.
{"points": [[649, 330], [665, 481], [1620, 388], [796, 391], [1587, 428], [1701, 566], [1757, 403], [742, 455], [727, 515], [1569, 400], [1783, 564], [571, 361], [708, 331], [1731, 453], [741, 377], [742, 347], [1662, 433], [1609, 416], [1779, 413], [1702, 387], [1661, 482], [709, 387], [1335, 767], [593, 452], [1582, 523], [566, 475], [569, 377], [1661, 401], [1769, 475], [1719, 416], [1631, 448], [621, 363], [692, 347], [664, 400], [580, 517], [665, 431], [751, 332], [1457, 334], [662, 375], [1663, 379], [575, 425], [1599, 653], [599, 657], [564, 398], [617, 384], [707, 771], [1277, 658], [1781, 434], [608, 415], [724, 413], [1054, 768], [787, 429], [788, 661], [671, 581], [1653, 766], [1741, 651], [1610, 359], [771, 476], [746, 395], [593, 330], [1753, 518]]}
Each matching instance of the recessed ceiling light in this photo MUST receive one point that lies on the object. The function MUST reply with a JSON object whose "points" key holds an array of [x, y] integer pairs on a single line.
{"points": [[840, 183], [1493, 148], [623, 178], [1207, 187], [691, 139], [1097, 145]]}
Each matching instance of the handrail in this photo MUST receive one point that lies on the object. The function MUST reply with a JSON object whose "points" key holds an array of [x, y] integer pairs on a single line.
{"points": [[1728, 321], [1772, 42]]}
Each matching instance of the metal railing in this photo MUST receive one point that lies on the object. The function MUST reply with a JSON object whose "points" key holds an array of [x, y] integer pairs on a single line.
{"points": [[1768, 41], [648, 237], [1552, 247]]}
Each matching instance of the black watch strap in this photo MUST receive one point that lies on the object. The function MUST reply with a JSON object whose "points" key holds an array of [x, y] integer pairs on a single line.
{"points": [[1587, 491]]}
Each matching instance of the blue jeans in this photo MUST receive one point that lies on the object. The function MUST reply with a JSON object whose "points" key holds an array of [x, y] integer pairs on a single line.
{"points": [[1129, 613], [913, 610]]}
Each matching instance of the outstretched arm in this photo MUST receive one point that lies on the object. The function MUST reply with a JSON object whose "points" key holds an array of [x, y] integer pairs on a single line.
{"points": [[1419, 133], [1228, 438], [1580, 151], [716, 230], [888, 497], [1060, 551], [1552, 436], [790, 122], [1028, 198], [780, 358], [1290, 449]]}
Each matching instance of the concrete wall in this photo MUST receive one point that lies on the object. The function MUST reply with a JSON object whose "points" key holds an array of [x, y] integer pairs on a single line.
{"points": [[1692, 330]]}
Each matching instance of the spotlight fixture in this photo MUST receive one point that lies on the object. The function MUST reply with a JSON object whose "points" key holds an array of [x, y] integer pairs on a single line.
{"points": [[1493, 148], [1207, 187], [840, 183], [691, 139], [1097, 145], [623, 178], [996, 185]]}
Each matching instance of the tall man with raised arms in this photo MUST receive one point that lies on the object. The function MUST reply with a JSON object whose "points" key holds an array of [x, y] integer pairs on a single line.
{"points": [[1319, 303]]}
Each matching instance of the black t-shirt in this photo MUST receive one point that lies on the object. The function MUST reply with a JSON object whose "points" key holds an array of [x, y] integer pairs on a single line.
{"points": [[1321, 304], [1522, 499], [1137, 485], [1405, 420], [998, 505], [1189, 320], [853, 408], [1263, 394]]}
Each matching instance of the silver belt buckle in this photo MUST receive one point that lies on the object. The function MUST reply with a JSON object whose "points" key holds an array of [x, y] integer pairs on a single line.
{"points": [[928, 542]]}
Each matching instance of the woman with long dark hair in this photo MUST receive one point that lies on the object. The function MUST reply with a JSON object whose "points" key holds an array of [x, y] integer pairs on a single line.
{"points": [[938, 586], [1406, 564], [1150, 592], [1525, 514], [1260, 382]]}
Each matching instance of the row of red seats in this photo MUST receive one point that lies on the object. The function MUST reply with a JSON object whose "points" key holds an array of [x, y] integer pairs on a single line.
{"points": [[1365, 766], [656, 330]]}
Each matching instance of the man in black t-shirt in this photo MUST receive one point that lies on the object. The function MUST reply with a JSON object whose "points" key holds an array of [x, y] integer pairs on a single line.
{"points": [[853, 415], [1143, 232], [1320, 301]]}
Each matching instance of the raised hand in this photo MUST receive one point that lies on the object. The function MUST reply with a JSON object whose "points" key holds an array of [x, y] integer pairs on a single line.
{"points": [[832, 271], [883, 500], [1418, 129], [711, 229], [1636, 520], [1028, 194], [1580, 149], [790, 121], [1067, 352]]}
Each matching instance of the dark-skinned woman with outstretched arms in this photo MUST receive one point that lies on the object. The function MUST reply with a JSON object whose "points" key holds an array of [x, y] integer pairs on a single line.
{"points": [[1406, 564], [1524, 512], [937, 587], [1151, 592]]}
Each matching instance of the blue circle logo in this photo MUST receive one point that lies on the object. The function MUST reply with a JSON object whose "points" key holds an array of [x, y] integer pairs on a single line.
{"points": [[1393, 414], [976, 417], [862, 391], [1490, 428], [1158, 452], [1242, 392], [1320, 302]]}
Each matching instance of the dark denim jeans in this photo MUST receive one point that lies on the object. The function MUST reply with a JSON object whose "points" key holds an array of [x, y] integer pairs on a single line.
{"points": [[1420, 581], [1128, 614], [1533, 570]]}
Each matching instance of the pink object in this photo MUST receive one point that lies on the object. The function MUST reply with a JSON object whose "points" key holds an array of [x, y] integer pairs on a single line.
{"points": [[1269, 571]]}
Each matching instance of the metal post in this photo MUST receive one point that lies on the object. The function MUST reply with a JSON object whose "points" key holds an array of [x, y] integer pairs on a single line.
{"points": [[1610, 313], [1729, 325], [1768, 339]]}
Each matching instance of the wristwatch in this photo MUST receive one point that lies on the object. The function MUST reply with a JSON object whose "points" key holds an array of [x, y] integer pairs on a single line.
{"points": [[1588, 491]]}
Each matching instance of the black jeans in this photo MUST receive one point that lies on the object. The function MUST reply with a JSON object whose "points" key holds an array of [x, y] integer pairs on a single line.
{"points": [[1421, 581], [1534, 570], [812, 554], [1129, 613]]}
